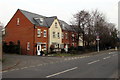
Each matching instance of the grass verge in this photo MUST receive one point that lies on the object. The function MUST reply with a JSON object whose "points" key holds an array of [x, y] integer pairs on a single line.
{"points": [[63, 54]]}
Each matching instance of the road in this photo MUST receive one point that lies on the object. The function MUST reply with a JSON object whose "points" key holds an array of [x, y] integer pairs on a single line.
{"points": [[95, 66]]}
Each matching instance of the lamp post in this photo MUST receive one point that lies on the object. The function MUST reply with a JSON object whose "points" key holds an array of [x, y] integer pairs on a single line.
{"points": [[97, 38]]}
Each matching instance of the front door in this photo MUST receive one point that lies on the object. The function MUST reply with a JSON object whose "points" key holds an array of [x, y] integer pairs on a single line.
{"points": [[38, 49], [66, 48]]}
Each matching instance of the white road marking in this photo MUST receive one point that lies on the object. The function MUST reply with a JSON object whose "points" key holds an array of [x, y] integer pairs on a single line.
{"points": [[72, 58], [110, 53], [33, 66], [69, 58], [93, 62], [24, 67], [12, 70], [61, 72], [65, 59], [75, 57], [51, 62], [115, 55], [107, 57], [45, 64], [17, 69], [5, 71]]}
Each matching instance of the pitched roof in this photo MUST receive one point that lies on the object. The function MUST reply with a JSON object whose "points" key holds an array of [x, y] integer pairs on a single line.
{"points": [[65, 26], [33, 17], [46, 21], [50, 20]]}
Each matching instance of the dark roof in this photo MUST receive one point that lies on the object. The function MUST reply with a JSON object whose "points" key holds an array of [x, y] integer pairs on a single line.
{"points": [[65, 26], [50, 20], [47, 21], [33, 17]]}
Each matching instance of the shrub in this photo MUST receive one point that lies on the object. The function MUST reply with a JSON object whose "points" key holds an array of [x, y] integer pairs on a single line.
{"points": [[62, 50], [52, 47], [11, 48]]}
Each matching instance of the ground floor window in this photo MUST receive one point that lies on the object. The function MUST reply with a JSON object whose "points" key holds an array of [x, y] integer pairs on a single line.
{"points": [[28, 45], [44, 47]]}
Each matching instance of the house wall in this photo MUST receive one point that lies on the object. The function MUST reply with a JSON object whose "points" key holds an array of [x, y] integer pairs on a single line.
{"points": [[70, 39], [22, 32], [80, 41], [41, 39], [64, 40], [56, 30]]}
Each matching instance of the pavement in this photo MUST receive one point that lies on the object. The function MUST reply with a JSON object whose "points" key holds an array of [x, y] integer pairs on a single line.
{"points": [[101, 65], [14, 61]]}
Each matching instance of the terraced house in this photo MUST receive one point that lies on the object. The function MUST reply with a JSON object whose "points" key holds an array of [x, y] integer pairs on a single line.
{"points": [[36, 32]]}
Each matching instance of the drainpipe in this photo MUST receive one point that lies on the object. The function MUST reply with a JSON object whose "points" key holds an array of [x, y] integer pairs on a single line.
{"points": [[34, 27]]}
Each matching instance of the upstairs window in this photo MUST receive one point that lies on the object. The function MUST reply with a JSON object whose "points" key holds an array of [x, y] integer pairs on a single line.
{"points": [[53, 34], [56, 24], [62, 35], [38, 32], [73, 37], [58, 35], [18, 21], [45, 33], [66, 35]]}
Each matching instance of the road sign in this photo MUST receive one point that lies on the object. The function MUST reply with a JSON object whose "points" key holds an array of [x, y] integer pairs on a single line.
{"points": [[97, 38]]}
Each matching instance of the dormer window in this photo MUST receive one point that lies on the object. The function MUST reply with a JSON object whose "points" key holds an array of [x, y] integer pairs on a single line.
{"points": [[41, 21], [56, 24], [63, 25], [18, 21]]}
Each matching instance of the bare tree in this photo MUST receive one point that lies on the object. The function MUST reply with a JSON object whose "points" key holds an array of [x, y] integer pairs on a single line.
{"points": [[94, 24], [82, 20]]}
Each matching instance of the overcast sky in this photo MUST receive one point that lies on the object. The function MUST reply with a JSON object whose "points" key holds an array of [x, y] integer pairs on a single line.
{"points": [[63, 9]]}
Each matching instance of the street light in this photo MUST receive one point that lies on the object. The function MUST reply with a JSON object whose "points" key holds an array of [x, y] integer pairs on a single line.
{"points": [[97, 38]]}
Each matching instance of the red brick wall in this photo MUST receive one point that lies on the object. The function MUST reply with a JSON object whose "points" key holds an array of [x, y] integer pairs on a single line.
{"points": [[64, 40], [70, 39], [23, 32], [41, 38]]}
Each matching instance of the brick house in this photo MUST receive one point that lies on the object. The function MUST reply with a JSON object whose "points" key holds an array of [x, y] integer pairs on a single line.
{"points": [[30, 29], [69, 35], [36, 32]]}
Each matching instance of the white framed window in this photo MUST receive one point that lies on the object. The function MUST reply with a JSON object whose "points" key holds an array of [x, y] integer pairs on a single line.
{"points": [[66, 35], [73, 37], [72, 44], [18, 21], [38, 32], [58, 35], [44, 46], [45, 33], [41, 21], [56, 24], [28, 45], [53, 34]]}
